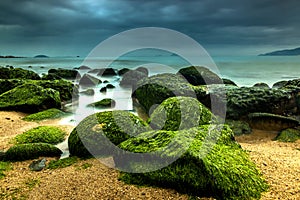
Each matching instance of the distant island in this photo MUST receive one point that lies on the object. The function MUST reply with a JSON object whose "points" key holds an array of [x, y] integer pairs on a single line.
{"points": [[286, 52], [41, 56], [11, 57]]}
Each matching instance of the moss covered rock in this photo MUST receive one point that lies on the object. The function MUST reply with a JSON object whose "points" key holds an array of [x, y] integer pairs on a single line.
{"points": [[52, 113], [177, 113], [17, 73], [30, 98], [239, 127], [197, 75], [99, 130], [104, 103], [154, 90], [288, 135], [64, 73], [22, 152], [223, 171], [43, 134]]}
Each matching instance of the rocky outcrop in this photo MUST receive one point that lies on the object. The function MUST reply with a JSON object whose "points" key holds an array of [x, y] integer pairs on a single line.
{"points": [[17, 73], [104, 103], [64, 73], [107, 72]]}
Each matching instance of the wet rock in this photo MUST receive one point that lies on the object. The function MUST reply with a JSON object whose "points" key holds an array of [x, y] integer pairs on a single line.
{"points": [[18, 73], [261, 85], [107, 72], [110, 86], [38, 165], [88, 80], [65, 73], [228, 82], [131, 78], [279, 84], [104, 103], [89, 92], [103, 90], [123, 71], [239, 127]]}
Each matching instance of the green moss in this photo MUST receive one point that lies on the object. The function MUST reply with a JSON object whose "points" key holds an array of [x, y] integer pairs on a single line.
{"points": [[44, 134], [99, 130], [62, 163], [52, 113], [239, 127], [224, 171], [104, 103], [177, 113], [288, 135], [17, 73], [4, 166], [22, 152]]}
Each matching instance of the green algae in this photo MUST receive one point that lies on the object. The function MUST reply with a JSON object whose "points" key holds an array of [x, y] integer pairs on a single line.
{"points": [[52, 113]]}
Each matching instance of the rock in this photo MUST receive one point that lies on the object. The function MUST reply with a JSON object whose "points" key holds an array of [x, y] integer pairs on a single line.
{"points": [[52, 113], [89, 92], [94, 71], [155, 89], [279, 84], [123, 71], [228, 82], [218, 172], [104, 103], [88, 80], [17, 73], [65, 73], [261, 85], [22, 152], [83, 67], [177, 113], [51, 77], [110, 86], [271, 122], [288, 135], [38, 165], [106, 81], [197, 75], [143, 70], [103, 89], [30, 98], [8, 84], [131, 78], [94, 130], [2, 155], [107, 72], [239, 127]]}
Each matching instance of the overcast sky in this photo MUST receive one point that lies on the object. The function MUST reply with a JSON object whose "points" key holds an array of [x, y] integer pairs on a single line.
{"points": [[75, 27]]}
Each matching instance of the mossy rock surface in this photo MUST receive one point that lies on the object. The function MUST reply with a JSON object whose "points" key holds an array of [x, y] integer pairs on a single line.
{"points": [[154, 90], [288, 135], [65, 73], [52, 113], [62, 163], [4, 166], [17, 73], [239, 127], [177, 113], [222, 170], [41, 134], [99, 131], [22, 152], [104, 103], [30, 98], [8, 84]]}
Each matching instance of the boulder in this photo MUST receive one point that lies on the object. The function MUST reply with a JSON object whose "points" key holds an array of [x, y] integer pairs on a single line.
{"points": [[154, 90], [107, 72], [30, 98], [197, 75], [201, 169], [279, 84], [52, 113], [2, 155], [177, 113], [83, 67], [65, 73], [103, 90], [228, 82], [123, 71], [261, 85], [143, 70], [88, 80], [22, 152], [110, 86], [130, 78], [51, 77], [102, 131], [104, 103], [38, 165], [271, 122], [239, 127], [288, 135], [8, 84], [17, 73], [89, 92]]}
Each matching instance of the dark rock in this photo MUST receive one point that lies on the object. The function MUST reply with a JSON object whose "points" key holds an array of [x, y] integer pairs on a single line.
{"points": [[94, 71], [104, 103], [271, 122], [239, 127], [89, 92], [88, 80], [51, 77], [279, 84], [99, 130], [65, 73], [131, 78], [2, 155], [83, 67], [30, 98], [106, 81], [17, 73], [143, 70], [110, 86], [261, 85], [107, 72], [123, 71], [197, 75], [38, 165], [103, 89], [228, 82]]}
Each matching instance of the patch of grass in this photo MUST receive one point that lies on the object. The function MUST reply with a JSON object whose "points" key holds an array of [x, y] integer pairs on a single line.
{"points": [[31, 183], [288, 135], [4, 166], [22, 152], [44, 134], [62, 163], [84, 166], [52, 113]]}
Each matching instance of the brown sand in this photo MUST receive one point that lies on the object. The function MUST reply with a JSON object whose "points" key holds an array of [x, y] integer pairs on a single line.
{"points": [[279, 163]]}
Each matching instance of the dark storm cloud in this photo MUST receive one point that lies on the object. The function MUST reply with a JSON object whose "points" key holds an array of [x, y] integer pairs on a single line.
{"points": [[87, 22]]}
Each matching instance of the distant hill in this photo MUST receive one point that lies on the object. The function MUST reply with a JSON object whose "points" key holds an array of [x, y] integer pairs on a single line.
{"points": [[41, 56], [286, 52]]}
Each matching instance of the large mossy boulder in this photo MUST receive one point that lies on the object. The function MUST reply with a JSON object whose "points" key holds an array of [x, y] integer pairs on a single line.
{"points": [[288, 135], [102, 131], [177, 113], [154, 90], [198, 75], [64, 73], [30, 98], [239, 127], [221, 170], [22, 152], [104, 103], [51, 113], [17, 73], [8, 84]]}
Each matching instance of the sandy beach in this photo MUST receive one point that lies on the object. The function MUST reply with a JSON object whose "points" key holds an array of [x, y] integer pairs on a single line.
{"points": [[279, 163]]}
